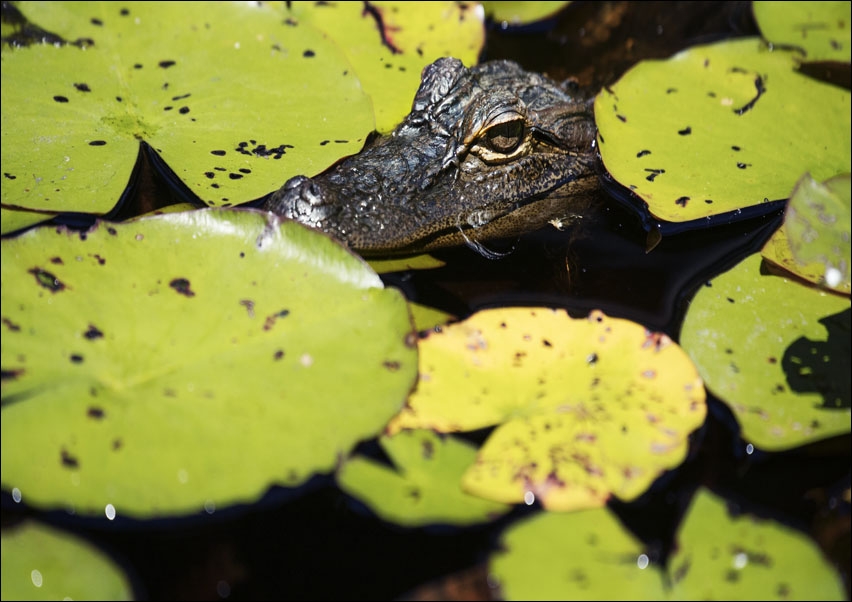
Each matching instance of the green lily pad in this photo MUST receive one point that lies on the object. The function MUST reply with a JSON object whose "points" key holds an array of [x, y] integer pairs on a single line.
{"points": [[160, 366], [425, 487], [234, 100], [698, 135], [590, 556], [821, 29], [43, 563], [720, 557], [776, 352], [584, 555], [416, 34], [13, 220], [522, 13], [587, 408]]}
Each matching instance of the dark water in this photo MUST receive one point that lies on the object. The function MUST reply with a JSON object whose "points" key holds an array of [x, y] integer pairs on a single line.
{"points": [[316, 543]]}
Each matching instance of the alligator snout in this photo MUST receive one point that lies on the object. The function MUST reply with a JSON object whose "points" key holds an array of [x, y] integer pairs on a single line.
{"points": [[303, 200]]}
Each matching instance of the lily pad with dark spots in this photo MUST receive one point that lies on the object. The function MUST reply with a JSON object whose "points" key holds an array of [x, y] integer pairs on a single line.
{"points": [[231, 98], [820, 29], [583, 555], [720, 128], [423, 487], [776, 351], [190, 361], [585, 408]]}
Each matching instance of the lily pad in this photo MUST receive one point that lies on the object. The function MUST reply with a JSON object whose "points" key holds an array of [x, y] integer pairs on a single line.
{"points": [[234, 100], [720, 557], [588, 408], [160, 366], [43, 563], [820, 29], [698, 135], [590, 556], [584, 555], [389, 44], [425, 487], [510, 14], [776, 351]]}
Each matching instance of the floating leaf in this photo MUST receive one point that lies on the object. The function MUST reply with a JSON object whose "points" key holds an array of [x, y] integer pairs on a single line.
{"points": [[43, 563], [585, 555], [234, 100], [590, 556], [388, 61], [776, 352], [189, 359], [425, 487], [588, 408], [719, 557], [697, 135], [399, 264], [821, 29], [521, 13]]}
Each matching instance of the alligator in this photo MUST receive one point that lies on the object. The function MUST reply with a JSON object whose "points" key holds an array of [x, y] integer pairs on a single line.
{"points": [[487, 152]]}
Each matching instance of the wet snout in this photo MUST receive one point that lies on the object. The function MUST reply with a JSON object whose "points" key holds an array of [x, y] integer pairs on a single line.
{"points": [[301, 199]]}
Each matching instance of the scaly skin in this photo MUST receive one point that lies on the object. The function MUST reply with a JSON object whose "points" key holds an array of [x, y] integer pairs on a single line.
{"points": [[487, 152]]}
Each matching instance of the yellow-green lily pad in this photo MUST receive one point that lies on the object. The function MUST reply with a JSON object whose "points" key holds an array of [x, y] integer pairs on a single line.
{"points": [[38, 562], [590, 556], [388, 61], [425, 488], [587, 408], [776, 351], [522, 13], [821, 29], [700, 134], [721, 557], [159, 366], [231, 97]]}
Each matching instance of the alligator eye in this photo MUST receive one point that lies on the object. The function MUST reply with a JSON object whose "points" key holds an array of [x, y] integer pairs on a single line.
{"points": [[505, 137]]}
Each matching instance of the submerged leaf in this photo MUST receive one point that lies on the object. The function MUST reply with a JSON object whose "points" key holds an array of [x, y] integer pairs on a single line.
{"points": [[776, 352], [190, 359], [587, 408], [698, 134], [425, 487]]}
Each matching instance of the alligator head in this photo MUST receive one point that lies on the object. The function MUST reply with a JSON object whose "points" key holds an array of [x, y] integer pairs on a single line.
{"points": [[487, 152]]}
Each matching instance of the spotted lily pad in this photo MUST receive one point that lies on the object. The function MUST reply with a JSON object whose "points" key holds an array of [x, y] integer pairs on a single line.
{"points": [[42, 563], [587, 408], [776, 351], [590, 556], [389, 44], [584, 555], [820, 29], [234, 100], [698, 135], [425, 487], [190, 360], [721, 557]]}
